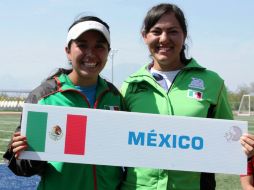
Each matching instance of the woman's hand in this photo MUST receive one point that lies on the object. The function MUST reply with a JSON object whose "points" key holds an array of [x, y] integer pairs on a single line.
{"points": [[247, 141], [19, 144]]}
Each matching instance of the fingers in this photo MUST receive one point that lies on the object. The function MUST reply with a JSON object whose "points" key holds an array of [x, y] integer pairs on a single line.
{"points": [[248, 150], [248, 135], [17, 137], [18, 150], [19, 143], [245, 151], [247, 142]]}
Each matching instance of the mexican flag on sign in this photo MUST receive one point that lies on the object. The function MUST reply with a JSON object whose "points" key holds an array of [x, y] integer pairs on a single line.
{"points": [[66, 136]]}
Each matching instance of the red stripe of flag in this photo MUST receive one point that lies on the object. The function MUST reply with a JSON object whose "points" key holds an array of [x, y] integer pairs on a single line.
{"points": [[75, 134]]}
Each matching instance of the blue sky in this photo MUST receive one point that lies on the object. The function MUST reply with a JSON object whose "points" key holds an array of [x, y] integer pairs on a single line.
{"points": [[33, 35]]}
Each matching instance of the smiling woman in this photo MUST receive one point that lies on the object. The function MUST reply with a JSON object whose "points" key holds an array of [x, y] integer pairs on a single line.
{"points": [[88, 56], [165, 40], [174, 85], [87, 49]]}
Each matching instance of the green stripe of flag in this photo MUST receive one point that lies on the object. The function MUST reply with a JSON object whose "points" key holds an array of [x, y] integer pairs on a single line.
{"points": [[36, 130]]}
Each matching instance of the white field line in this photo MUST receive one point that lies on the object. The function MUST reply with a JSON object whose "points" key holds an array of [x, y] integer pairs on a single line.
{"points": [[6, 131], [5, 140]]}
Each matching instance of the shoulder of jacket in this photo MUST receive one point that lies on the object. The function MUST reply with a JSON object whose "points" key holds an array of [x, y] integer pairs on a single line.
{"points": [[206, 74], [139, 76], [211, 75], [46, 88], [194, 66], [113, 88]]}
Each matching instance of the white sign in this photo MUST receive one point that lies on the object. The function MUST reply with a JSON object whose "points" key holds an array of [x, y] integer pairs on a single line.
{"points": [[92, 136]]}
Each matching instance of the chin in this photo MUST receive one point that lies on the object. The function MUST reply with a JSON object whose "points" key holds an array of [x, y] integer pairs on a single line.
{"points": [[161, 57], [163, 61]]}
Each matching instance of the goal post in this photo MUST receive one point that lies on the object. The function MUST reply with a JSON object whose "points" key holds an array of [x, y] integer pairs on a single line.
{"points": [[246, 106]]}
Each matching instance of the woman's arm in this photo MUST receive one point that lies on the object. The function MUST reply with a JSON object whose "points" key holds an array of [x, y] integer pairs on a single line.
{"points": [[247, 182]]}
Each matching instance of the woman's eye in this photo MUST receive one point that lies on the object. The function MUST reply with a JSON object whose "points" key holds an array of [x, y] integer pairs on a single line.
{"points": [[100, 46], [174, 32], [82, 45], [155, 32]]}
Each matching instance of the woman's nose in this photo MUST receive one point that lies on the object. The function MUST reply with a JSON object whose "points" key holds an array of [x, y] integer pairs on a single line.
{"points": [[164, 37], [88, 52]]}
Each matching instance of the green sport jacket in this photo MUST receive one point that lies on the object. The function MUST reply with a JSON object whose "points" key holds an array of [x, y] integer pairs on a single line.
{"points": [[60, 91], [195, 92]]}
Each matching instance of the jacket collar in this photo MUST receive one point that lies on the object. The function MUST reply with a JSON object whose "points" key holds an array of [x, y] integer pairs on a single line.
{"points": [[144, 73], [64, 83]]}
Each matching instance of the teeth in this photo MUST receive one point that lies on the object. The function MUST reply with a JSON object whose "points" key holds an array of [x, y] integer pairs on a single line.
{"points": [[90, 65], [164, 49]]}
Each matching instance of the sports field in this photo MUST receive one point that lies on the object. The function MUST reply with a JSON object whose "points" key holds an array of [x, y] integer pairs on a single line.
{"points": [[8, 123], [8, 181]]}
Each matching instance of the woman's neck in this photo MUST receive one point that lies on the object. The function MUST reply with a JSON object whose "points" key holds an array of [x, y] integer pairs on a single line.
{"points": [[167, 66], [82, 81]]}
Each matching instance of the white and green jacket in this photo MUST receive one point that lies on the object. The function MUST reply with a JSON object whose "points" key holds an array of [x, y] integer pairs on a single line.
{"points": [[60, 91], [195, 92]]}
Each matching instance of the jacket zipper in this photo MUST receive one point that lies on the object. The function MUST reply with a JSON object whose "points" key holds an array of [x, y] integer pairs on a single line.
{"points": [[95, 107]]}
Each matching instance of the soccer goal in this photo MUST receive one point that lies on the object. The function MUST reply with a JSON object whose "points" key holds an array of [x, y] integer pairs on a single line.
{"points": [[246, 107]]}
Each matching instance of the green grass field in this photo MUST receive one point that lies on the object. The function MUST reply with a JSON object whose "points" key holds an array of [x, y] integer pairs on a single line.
{"points": [[8, 123]]}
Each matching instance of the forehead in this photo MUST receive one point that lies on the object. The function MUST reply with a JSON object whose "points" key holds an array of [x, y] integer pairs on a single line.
{"points": [[91, 35], [167, 20]]}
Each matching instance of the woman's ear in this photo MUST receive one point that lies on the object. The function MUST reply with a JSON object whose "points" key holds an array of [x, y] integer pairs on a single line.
{"points": [[68, 52], [144, 37]]}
